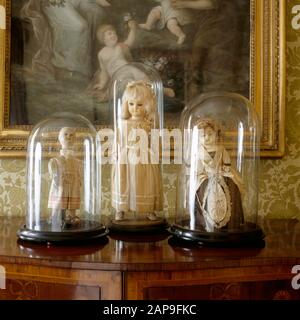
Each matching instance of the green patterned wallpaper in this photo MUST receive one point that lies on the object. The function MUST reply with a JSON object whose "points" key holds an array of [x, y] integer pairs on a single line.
{"points": [[279, 182], [280, 179]]}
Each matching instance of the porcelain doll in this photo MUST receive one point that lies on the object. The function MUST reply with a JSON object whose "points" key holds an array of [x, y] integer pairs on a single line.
{"points": [[218, 201], [66, 175], [136, 185]]}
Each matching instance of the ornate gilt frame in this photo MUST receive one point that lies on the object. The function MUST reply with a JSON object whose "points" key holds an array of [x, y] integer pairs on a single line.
{"points": [[267, 83]]}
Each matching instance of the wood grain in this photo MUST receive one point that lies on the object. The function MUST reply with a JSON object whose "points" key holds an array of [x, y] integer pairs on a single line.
{"points": [[152, 253], [148, 267]]}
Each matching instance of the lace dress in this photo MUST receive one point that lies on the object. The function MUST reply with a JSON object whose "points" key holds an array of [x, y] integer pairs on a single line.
{"points": [[136, 186], [218, 201]]}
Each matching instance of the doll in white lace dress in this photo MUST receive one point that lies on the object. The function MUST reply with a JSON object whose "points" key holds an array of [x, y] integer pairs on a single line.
{"points": [[136, 182]]}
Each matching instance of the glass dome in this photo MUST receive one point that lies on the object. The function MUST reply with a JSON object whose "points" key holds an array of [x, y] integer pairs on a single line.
{"points": [[136, 179], [217, 183], [63, 181]]}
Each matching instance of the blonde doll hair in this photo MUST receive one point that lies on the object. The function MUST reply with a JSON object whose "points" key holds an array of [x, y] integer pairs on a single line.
{"points": [[142, 90], [102, 29]]}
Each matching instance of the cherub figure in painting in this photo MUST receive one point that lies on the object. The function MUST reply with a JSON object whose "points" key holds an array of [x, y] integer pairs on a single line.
{"points": [[136, 183], [66, 175], [165, 15], [112, 57], [218, 201]]}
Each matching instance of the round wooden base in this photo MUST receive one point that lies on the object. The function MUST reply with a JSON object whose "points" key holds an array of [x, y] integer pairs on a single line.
{"points": [[138, 225], [249, 235], [86, 231]]}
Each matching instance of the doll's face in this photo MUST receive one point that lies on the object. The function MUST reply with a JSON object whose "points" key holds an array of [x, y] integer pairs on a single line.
{"points": [[110, 38], [67, 137], [208, 136], [136, 107]]}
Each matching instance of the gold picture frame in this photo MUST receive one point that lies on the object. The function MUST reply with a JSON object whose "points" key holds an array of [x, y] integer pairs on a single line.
{"points": [[267, 79]]}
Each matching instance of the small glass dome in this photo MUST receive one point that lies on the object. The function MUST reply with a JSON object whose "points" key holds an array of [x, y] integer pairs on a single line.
{"points": [[217, 183], [136, 179], [63, 181]]}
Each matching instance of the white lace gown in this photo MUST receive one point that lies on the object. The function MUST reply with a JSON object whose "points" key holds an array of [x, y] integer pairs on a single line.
{"points": [[136, 187]]}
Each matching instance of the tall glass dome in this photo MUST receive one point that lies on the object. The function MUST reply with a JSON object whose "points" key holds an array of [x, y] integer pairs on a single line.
{"points": [[217, 183], [136, 177], [63, 181]]}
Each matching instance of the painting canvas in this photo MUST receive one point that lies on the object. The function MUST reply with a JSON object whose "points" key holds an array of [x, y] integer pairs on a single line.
{"points": [[64, 52]]}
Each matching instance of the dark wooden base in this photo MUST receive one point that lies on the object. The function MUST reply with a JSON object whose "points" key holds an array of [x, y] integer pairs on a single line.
{"points": [[87, 231], [138, 226], [249, 235]]}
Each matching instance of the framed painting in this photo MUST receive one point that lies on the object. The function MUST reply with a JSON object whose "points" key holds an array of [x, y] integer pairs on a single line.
{"points": [[51, 58]]}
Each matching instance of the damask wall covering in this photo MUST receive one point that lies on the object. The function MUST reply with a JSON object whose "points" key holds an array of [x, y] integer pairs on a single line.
{"points": [[279, 179]]}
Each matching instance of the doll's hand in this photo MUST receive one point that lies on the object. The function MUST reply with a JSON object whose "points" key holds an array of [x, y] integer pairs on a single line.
{"points": [[226, 169], [56, 179], [103, 3]]}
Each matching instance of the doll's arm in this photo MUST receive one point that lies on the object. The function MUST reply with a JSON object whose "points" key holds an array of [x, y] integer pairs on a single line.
{"points": [[226, 161], [226, 157], [53, 170], [132, 33], [230, 171]]}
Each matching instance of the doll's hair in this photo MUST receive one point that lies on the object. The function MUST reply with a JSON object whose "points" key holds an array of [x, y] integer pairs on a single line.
{"points": [[63, 130], [102, 29], [210, 123], [142, 90]]}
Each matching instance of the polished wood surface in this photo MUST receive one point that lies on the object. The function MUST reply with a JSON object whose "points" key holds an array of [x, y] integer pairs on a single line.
{"points": [[154, 253], [28, 282], [150, 267]]}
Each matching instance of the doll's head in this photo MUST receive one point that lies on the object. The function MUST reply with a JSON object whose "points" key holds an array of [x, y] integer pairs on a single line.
{"points": [[107, 35], [66, 137], [138, 100], [209, 131]]}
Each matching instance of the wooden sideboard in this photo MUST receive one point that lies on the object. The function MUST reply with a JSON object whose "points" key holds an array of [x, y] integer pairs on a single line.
{"points": [[150, 268]]}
